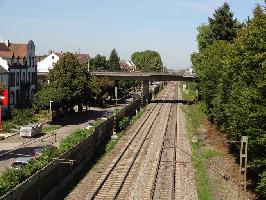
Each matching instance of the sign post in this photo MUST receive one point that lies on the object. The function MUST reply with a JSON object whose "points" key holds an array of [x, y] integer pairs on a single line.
{"points": [[2, 98]]}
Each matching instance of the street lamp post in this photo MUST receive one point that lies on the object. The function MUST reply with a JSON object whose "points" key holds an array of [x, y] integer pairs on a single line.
{"points": [[51, 111], [88, 58]]}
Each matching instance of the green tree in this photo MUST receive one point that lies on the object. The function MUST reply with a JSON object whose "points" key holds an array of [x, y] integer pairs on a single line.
{"points": [[98, 63], [114, 61], [69, 80], [232, 72], [147, 61], [204, 38], [223, 26]]}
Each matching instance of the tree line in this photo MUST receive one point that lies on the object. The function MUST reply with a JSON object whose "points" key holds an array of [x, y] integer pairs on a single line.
{"points": [[146, 61], [231, 64]]}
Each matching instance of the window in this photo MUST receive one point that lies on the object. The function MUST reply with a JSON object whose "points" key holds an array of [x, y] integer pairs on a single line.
{"points": [[29, 76], [33, 77], [11, 98], [52, 57], [12, 78], [23, 77], [17, 79], [17, 97], [30, 61]]}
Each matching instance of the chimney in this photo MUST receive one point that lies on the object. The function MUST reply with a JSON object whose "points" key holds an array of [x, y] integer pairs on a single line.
{"points": [[7, 43]]}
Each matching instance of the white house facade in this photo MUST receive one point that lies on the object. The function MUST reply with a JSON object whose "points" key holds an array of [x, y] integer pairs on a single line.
{"points": [[20, 63], [47, 63]]}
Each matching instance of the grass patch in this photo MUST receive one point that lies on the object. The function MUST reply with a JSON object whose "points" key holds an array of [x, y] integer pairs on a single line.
{"points": [[195, 115], [210, 153], [199, 156], [50, 128]]}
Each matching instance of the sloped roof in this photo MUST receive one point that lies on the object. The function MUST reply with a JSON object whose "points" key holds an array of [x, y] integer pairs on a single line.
{"points": [[18, 50], [82, 58]]}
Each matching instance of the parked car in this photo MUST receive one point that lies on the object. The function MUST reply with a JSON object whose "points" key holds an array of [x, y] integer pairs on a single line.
{"points": [[38, 151], [20, 162]]}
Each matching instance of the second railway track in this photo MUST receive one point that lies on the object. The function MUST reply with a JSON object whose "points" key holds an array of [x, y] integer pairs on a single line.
{"points": [[113, 180]]}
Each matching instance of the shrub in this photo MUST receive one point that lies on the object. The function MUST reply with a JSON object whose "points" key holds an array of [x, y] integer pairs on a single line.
{"points": [[123, 123], [261, 188], [73, 139], [8, 126], [12, 177], [22, 116]]}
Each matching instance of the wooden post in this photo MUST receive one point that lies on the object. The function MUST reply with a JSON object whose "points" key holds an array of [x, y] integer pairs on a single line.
{"points": [[242, 185]]}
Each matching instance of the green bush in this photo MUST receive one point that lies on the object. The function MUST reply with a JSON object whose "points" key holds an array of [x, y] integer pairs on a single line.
{"points": [[123, 123], [262, 185], [23, 116], [10, 178], [7, 126], [73, 139]]}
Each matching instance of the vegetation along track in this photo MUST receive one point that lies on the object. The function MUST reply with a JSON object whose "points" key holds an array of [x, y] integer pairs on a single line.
{"points": [[164, 184], [111, 183]]}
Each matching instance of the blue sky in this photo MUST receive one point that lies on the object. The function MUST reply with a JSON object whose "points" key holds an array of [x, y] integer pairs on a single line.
{"points": [[166, 26]]}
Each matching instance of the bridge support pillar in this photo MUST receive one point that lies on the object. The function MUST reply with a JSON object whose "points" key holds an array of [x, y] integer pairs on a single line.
{"points": [[145, 92]]}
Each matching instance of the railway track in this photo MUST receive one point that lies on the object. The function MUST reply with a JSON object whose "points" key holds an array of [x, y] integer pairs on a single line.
{"points": [[164, 183], [113, 180]]}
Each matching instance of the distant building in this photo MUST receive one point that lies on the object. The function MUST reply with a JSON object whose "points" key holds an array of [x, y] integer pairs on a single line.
{"points": [[127, 65], [189, 72], [48, 62], [19, 63]]}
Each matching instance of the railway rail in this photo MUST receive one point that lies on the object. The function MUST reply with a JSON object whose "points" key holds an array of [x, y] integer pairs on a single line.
{"points": [[164, 183], [113, 180]]}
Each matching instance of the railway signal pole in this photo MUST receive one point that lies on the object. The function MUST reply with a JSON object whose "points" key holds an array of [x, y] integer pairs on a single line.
{"points": [[242, 186]]}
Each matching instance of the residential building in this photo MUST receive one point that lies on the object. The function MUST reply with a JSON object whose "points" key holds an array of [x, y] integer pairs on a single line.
{"points": [[127, 65], [18, 60]]}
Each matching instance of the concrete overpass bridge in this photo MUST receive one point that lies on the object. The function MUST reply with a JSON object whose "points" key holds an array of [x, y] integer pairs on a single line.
{"points": [[145, 77]]}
